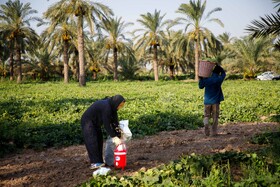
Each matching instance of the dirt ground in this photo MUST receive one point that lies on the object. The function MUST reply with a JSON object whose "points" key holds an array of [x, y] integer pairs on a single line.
{"points": [[70, 167]]}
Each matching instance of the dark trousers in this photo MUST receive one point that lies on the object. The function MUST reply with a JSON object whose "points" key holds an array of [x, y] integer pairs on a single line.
{"points": [[93, 140]]}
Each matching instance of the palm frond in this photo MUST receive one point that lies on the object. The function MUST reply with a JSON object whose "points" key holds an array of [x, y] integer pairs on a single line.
{"points": [[277, 2], [270, 24], [277, 45]]}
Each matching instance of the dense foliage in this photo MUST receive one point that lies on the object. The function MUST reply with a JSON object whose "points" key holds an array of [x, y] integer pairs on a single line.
{"points": [[222, 169], [227, 169], [64, 45], [39, 115]]}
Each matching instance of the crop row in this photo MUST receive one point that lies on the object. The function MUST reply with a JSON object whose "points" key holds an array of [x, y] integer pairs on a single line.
{"points": [[36, 115]]}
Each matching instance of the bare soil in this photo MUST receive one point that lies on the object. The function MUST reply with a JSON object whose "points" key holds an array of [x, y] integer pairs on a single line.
{"points": [[70, 166]]}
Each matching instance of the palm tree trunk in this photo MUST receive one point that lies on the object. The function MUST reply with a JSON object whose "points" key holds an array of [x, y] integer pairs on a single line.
{"points": [[76, 61], [18, 62], [66, 66], [115, 64], [82, 76], [155, 63], [196, 59], [171, 69], [11, 64]]}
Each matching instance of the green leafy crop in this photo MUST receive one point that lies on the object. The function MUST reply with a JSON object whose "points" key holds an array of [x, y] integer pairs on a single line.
{"points": [[38, 115]]}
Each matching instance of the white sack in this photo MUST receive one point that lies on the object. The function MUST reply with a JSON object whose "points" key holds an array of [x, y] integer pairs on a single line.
{"points": [[109, 152], [126, 133]]}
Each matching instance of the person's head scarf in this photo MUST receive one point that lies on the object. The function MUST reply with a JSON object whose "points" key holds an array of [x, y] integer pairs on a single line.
{"points": [[115, 101]]}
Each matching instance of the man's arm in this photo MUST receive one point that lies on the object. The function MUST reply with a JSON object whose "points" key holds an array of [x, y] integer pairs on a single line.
{"points": [[201, 83]]}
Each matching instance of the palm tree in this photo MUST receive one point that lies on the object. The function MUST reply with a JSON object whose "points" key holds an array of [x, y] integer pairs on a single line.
{"points": [[4, 53], [40, 61], [59, 36], [225, 38], [226, 42], [170, 52], [253, 55], [151, 36], [129, 65], [212, 48], [96, 55], [83, 10], [195, 12], [115, 39], [269, 24], [15, 22], [184, 51]]}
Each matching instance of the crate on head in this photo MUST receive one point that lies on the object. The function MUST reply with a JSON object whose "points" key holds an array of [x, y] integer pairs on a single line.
{"points": [[205, 68]]}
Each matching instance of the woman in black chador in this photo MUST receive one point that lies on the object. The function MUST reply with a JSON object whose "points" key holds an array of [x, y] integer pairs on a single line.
{"points": [[101, 112]]}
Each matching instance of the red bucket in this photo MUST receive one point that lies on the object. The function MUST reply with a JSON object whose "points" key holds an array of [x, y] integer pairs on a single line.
{"points": [[120, 156]]}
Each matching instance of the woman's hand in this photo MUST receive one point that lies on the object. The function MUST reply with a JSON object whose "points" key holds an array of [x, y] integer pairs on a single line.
{"points": [[116, 140]]}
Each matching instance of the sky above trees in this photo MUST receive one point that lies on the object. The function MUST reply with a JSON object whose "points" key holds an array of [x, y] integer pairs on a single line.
{"points": [[235, 14]]}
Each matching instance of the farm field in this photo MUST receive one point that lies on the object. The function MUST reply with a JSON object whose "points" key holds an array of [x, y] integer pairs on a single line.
{"points": [[69, 166], [165, 119]]}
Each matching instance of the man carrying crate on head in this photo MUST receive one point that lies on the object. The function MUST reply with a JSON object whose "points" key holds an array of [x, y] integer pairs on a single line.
{"points": [[213, 95]]}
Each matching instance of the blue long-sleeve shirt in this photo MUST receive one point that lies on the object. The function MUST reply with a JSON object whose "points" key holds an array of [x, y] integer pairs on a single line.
{"points": [[213, 93]]}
